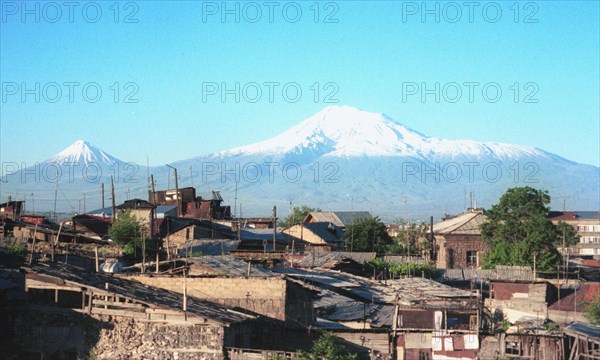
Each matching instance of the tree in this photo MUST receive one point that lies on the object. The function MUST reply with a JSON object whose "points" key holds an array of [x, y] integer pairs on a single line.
{"points": [[412, 237], [367, 234], [297, 216], [592, 311], [518, 229], [127, 231], [327, 347], [568, 233]]}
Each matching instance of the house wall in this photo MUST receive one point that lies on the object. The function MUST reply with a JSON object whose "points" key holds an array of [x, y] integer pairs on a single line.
{"points": [[264, 296], [516, 300], [457, 246], [300, 232]]}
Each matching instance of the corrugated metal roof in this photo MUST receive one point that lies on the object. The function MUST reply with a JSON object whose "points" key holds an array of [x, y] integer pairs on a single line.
{"points": [[338, 218], [410, 291], [319, 259], [583, 329], [161, 209], [230, 266], [141, 293], [466, 223], [210, 247], [106, 211]]}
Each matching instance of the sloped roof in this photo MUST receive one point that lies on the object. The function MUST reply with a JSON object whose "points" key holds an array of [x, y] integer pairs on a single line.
{"points": [[161, 209], [468, 223], [586, 330], [250, 234], [136, 204], [210, 247], [585, 294], [139, 292], [574, 215], [320, 259], [230, 266], [338, 218], [107, 211]]}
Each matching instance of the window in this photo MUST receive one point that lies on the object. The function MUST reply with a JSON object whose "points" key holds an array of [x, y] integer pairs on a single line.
{"points": [[472, 259], [512, 348]]}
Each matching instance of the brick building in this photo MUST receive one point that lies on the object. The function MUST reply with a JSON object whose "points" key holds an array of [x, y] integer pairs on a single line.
{"points": [[458, 240]]}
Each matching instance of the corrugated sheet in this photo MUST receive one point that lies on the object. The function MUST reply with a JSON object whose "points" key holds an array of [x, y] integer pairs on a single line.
{"points": [[467, 223], [321, 259], [139, 292], [210, 247], [230, 266], [583, 329]]}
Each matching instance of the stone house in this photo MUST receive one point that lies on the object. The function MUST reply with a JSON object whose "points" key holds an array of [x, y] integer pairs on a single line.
{"points": [[458, 240]]}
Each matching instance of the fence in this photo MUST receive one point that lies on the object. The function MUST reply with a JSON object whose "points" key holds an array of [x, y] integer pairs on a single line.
{"points": [[510, 273]]}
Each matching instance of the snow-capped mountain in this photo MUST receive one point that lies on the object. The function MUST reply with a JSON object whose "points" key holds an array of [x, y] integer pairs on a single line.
{"points": [[345, 131], [347, 158], [341, 158], [83, 152]]}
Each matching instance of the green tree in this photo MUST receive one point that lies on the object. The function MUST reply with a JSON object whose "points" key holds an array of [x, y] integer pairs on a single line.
{"points": [[127, 231], [592, 312], [518, 229], [297, 216], [412, 237], [367, 234], [327, 347], [568, 233]]}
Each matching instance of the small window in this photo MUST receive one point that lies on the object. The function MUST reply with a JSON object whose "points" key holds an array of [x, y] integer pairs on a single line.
{"points": [[472, 259], [512, 348]]}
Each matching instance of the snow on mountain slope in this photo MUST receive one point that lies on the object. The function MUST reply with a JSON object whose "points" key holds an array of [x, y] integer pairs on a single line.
{"points": [[345, 131], [82, 153]]}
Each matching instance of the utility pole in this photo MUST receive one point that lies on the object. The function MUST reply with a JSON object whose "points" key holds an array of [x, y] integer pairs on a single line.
{"points": [[84, 203], [55, 194], [274, 226], [114, 210], [102, 195], [191, 176], [235, 200], [32, 204], [153, 192], [176, 190]]}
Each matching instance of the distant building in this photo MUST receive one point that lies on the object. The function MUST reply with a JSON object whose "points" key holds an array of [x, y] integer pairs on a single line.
{"points": [[458, 240], [340, 219], [92, 226], [208, 206], [12, 209], [317, 234], [587, 224], [141, 210]]}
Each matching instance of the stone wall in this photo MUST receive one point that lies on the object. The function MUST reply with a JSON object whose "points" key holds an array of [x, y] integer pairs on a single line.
{"points": [[264, 296], [457, 247], [67, 335]]}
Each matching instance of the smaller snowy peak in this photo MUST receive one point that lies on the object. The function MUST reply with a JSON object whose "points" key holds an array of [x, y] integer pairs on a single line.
{"points": [[83, 152]]}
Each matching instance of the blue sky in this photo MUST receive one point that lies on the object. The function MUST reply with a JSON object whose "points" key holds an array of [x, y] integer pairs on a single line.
{"points": [[367, 57]]}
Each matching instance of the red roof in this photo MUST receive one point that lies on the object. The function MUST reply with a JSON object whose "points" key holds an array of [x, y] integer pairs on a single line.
{"points": [[586, 293], [591, 262]]}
